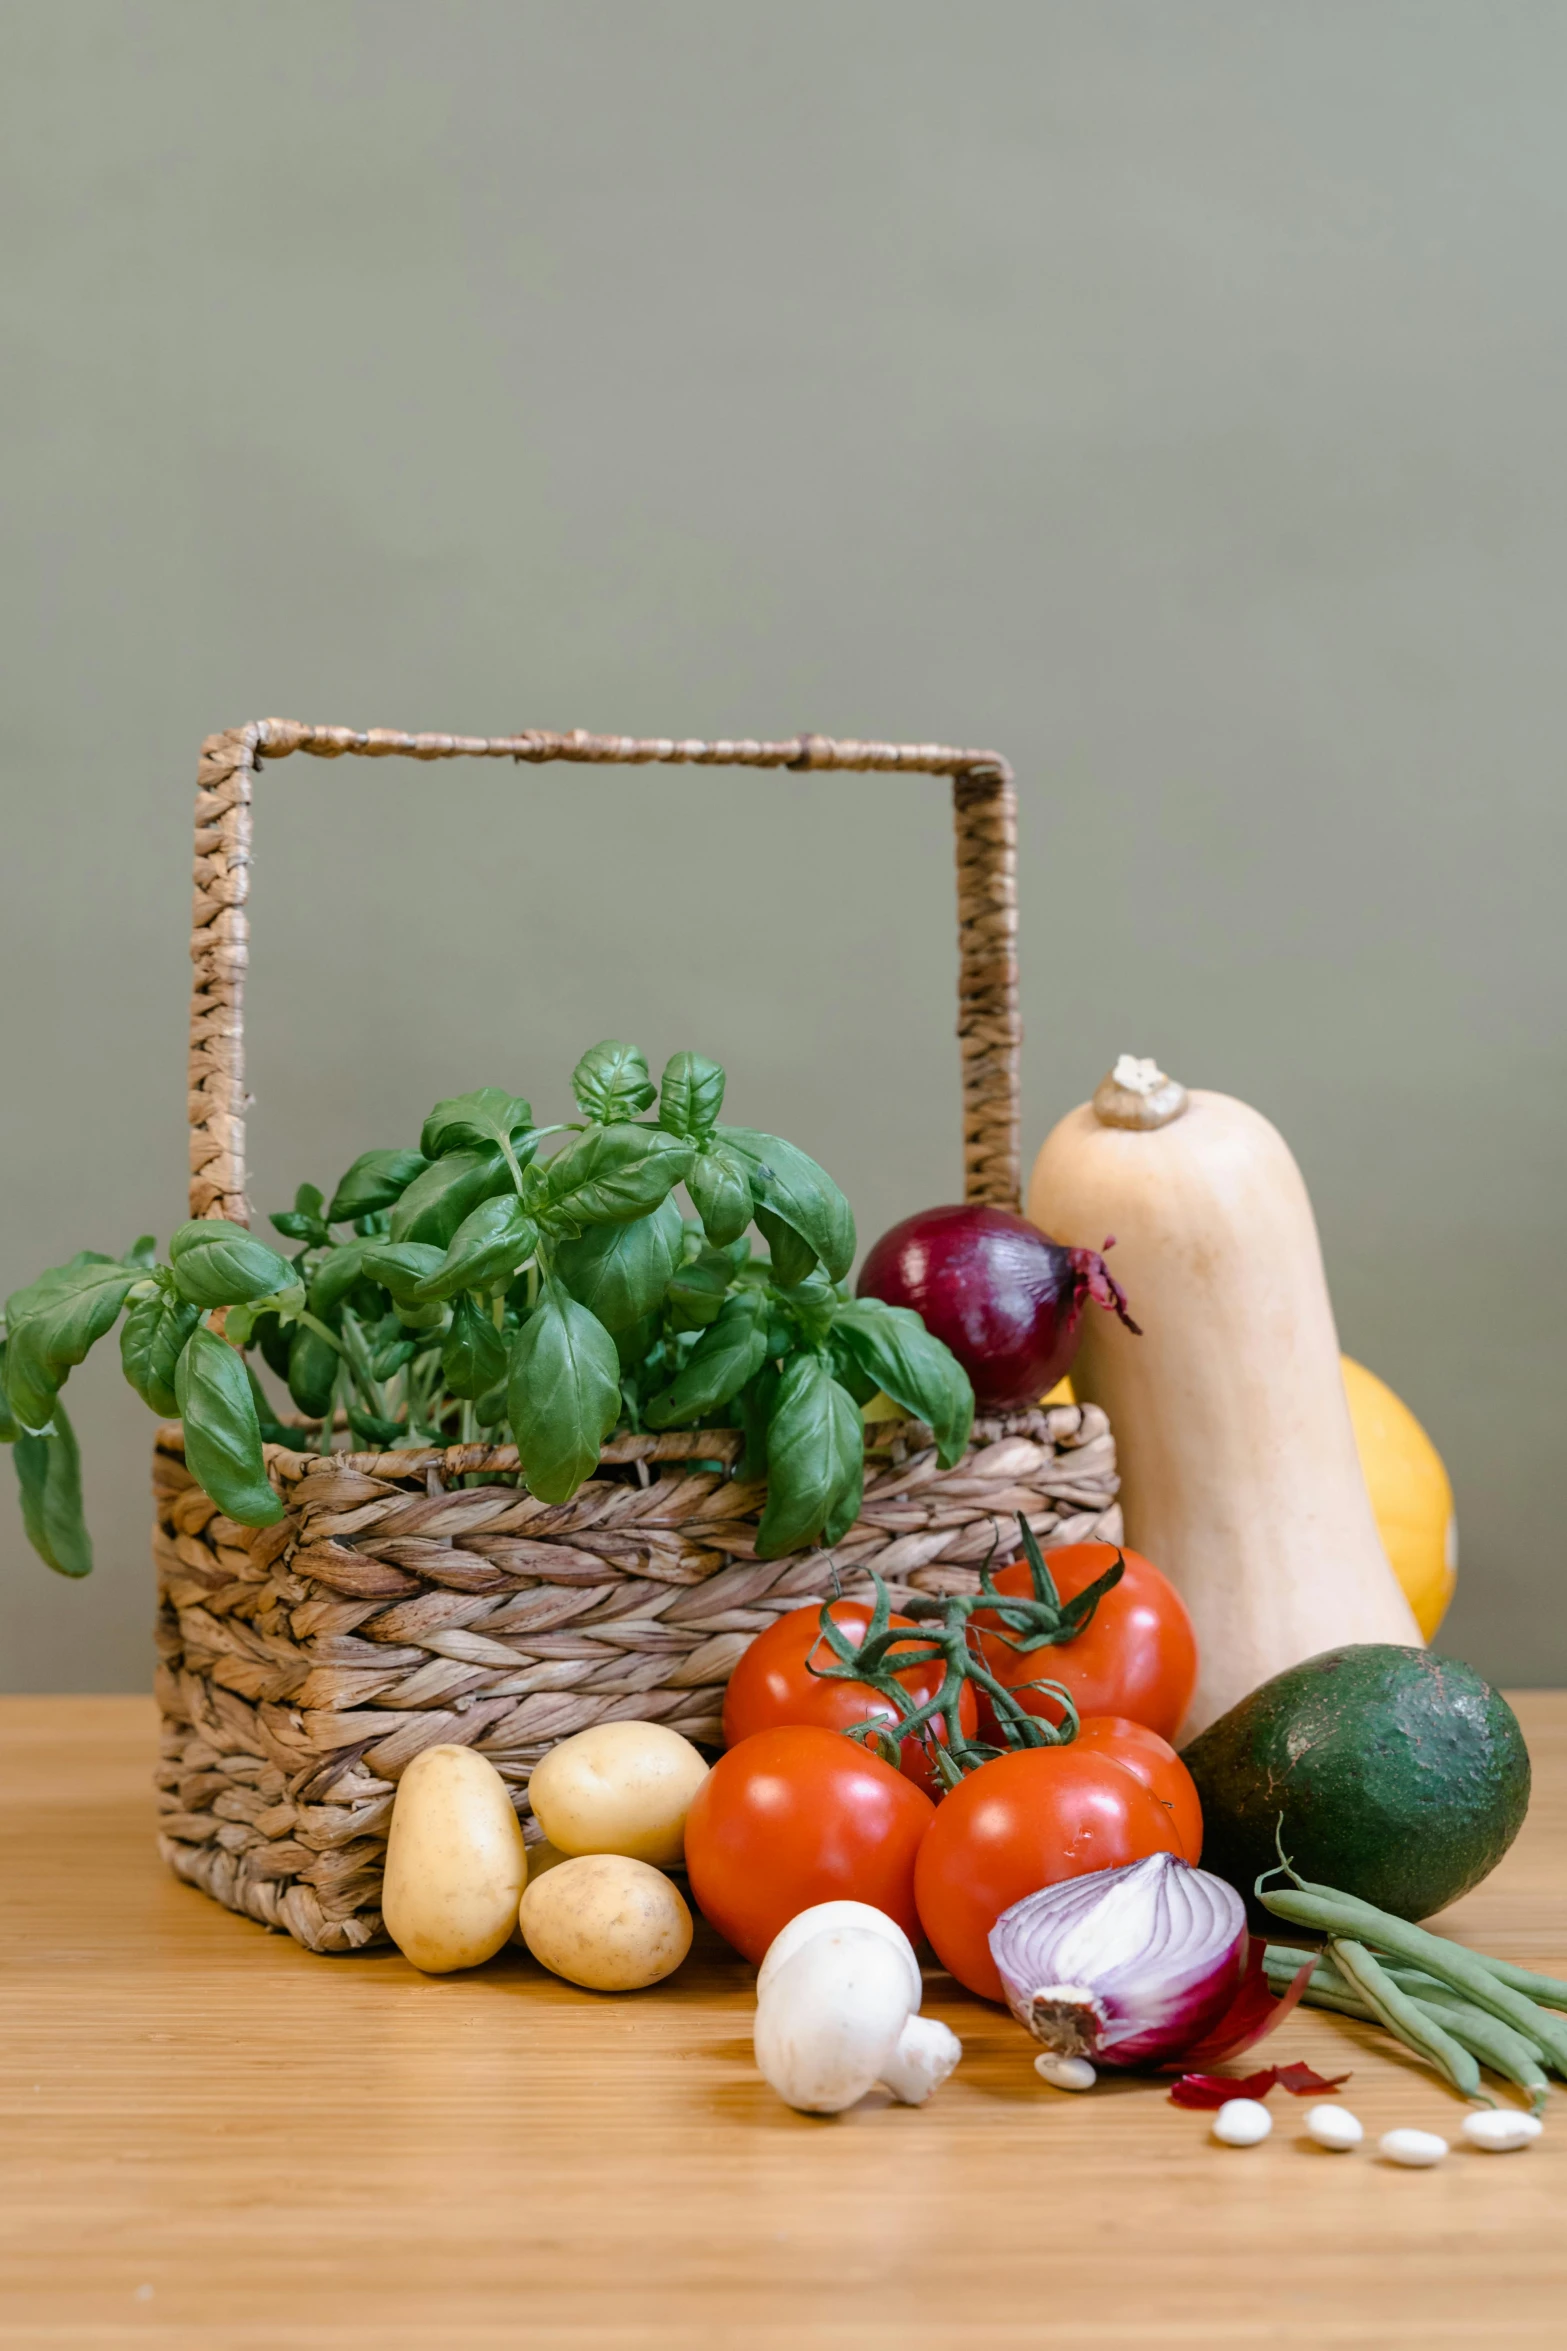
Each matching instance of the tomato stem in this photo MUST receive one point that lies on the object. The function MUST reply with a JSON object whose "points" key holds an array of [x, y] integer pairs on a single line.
{"points": [[1025, 1624]]}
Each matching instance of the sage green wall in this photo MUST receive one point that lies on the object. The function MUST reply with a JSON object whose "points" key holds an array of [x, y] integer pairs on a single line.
{"points": [[1171, 395]]}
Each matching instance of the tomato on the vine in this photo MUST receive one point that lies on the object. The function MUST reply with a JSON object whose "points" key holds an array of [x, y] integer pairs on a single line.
{"points": [[797, 1816], [1154, 1761], [773, 1684], [1136, 1656], [1023, 1821]]}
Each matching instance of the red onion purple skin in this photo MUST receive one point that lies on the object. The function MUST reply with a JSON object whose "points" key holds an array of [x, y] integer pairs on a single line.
{"points": [[1005, 1298], [1143, 2009], [992, 1288]]}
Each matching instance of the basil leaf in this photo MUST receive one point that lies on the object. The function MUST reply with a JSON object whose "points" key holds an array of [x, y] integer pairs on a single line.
{"points": [[621, 1271], [392, 1354], [563, 1393], [49, 1474], [490, 1408], [275, 1338], [449, 1190], [53, 1322], [801, 1193], [614, 1173], [691, 1096], [720, 1189], [815, 1458], [272, 1430], [633, 1343], [312, 1372], [151, 1337], [10, 1426], [143, 1252], [474, 1356], [470, 1122], [377, 1180], [403, 1267], [239, 1324], [378, 1435], [221, 1264], [696, 1293], [338, 1275], [304, 1221], [296, 1228], [432, 1319], [754, 1409], [849, 1375], [611, 1082], [846, 1504], [792, 1258], [717, 1368], [222, 1438], [486, 1249], [892, 1346]]}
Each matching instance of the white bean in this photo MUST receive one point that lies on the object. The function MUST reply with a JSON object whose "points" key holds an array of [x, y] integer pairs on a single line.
{"points": [[1065, 2073], [1416, 2149], [1335, 2127], [1242, 2122], [1501, 2128]]}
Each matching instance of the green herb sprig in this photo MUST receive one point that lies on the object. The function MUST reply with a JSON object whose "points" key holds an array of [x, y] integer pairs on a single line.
{"points": [[481, 1289]]}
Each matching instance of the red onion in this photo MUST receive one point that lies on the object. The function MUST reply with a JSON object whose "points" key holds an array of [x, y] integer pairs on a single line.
{"points": [[1127, 1966], [1006, 1299]]}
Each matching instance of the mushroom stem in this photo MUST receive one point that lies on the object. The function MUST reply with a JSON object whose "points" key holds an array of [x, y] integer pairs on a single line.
{"points": [[926, 2052]]}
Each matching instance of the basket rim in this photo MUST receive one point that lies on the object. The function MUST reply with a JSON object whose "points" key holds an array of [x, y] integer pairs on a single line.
{"points": [[1043, 1423]]}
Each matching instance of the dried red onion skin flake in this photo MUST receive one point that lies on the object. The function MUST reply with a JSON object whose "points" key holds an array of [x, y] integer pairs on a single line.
{"points": [[1212, 2090]]}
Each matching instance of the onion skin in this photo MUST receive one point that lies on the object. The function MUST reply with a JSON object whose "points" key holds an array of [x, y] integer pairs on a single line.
{"points": [[1126, 1967], [1005, 1298]]}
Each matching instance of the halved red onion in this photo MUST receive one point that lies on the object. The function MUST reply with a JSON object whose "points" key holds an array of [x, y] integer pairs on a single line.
{"points": [[1127, 1966]]}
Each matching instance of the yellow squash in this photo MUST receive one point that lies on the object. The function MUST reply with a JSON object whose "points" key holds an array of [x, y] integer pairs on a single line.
{"points": [[1411, 1498]]}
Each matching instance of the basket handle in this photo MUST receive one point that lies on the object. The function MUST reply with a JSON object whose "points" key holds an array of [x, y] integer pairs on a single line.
{"points": [[984, 806]]}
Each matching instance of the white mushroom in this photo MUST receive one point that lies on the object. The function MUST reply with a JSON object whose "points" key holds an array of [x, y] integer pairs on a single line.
{"points": [[826, 1918], [837, 2018]]}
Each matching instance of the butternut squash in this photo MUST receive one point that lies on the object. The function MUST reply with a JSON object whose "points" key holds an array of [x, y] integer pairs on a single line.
{"points": [[1240, 1477]]}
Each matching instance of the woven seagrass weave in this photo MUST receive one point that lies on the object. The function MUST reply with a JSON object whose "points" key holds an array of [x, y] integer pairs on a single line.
{"points": [[302, 1666]]}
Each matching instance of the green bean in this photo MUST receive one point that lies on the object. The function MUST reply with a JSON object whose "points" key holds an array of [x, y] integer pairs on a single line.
{"points": [[1516, 2055], [1513, 2055], [1549, 1990], [1405, 2018], [1343, 2003], [1507, 2053], [1335, 1914]]}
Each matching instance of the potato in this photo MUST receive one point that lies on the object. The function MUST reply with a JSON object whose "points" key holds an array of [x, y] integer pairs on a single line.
{"points": [[622, 1787], [607, 1923], [455, 1861]]}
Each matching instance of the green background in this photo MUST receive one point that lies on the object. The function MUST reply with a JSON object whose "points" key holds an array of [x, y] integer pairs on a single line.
{"points": [[1169, 395]]}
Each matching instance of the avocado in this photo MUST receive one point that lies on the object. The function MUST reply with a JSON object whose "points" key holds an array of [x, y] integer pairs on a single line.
{"points": [[1400, 1776]]}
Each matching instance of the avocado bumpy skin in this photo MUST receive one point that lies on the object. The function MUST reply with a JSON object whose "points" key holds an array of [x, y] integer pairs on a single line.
{"points": [[1401, 1776]]}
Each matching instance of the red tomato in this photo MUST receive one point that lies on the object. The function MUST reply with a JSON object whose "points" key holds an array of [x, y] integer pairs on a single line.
{"points": [[1027, 1820], [1136, 1656], [773, 1685], [1154, 1761], [797, 1816]]}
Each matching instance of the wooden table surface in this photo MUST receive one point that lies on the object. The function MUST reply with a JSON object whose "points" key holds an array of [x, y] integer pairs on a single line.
{"points": [[212, 2139]]}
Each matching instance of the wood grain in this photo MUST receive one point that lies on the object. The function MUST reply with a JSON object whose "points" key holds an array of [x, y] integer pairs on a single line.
{"points": [[213, 2139]]}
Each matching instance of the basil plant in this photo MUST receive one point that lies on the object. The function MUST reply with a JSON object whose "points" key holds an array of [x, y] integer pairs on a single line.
{"points": [[485, 1289]]}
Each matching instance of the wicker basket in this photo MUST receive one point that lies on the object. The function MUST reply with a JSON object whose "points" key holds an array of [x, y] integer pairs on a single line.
{"points": [[303, 1665]]}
